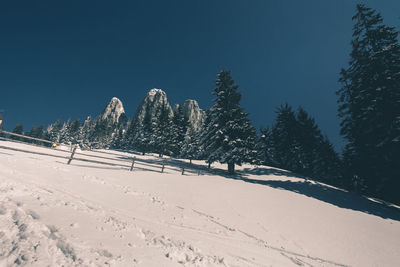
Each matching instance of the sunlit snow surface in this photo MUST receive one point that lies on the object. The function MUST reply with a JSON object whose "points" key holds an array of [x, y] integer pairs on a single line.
{"points": [[86, 214]]}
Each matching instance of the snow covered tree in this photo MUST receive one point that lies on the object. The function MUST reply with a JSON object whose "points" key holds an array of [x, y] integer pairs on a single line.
{"points": [[64, 137], [54, 131], [230, 138], [369, 105], [163, 133], [118, 138], [180, 126], [74, 131], [85, 133], [143, 137], [70, 132], [191, 144], [130, 134], [101, 136], [265, 148]]}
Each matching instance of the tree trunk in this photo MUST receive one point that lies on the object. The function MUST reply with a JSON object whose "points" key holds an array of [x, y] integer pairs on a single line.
{"points": [[231, 167], [143, 153], [190, 161]]}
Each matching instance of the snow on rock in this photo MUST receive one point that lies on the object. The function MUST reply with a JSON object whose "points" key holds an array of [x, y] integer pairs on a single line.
{"points": [[154, 99], [86, 214], [113, 111], [156, 91], [193, 114]]}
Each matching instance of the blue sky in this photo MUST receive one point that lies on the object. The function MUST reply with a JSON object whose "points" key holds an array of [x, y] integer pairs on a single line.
{"points": [[67, 59]]}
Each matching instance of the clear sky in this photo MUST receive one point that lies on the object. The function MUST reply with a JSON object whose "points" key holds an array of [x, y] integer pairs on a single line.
{"points": [[67, 59]]}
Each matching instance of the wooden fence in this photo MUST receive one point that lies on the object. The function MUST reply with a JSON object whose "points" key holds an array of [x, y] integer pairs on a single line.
{"points": [[70, 156]]}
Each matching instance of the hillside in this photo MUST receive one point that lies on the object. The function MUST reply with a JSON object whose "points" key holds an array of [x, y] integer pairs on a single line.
{"points": [[88, 214]]}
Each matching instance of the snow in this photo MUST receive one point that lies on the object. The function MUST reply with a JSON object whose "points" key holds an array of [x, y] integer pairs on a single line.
{"points": [[87, 214], [155, 91], [193, 113], [113, 110]]}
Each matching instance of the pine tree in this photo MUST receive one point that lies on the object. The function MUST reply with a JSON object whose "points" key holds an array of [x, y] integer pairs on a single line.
{"points": [[326, 164], [163, 132], [284, 137], [295, 143], [230, 137], [101, 136], [130, 135], [191, 145], [369, 105], [74, 131], [85, 133], [65, 132], [144, 137], [54, 131], [18, 129], [265, 148], [118, 138], [180, 127], [36, 132]]}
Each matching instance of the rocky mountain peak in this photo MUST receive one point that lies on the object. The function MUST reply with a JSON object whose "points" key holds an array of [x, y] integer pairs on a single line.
{"points": [[155, 99], [113, 111], [193, 113]]}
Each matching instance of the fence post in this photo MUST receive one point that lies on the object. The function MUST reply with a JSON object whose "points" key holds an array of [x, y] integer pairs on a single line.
{"points": [[72, 155], [183, 170], [162, 168], [133, 163]]}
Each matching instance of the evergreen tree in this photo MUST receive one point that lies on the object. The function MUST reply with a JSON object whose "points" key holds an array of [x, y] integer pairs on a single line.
{"points": [[101, 135], [295, 143], [230, 137], [144, 132], [205, 140], [65, 132], [164, 133], [85, 133], [118, 139], [369, 105], [130, 135], [284, 137], [18, 129], [54, 131], [265, 148], [191, 145], [180, 127], [326, 164], [74, 131], [36, 132]]}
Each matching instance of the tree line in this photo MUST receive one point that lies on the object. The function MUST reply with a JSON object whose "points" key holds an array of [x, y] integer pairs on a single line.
{"points": [[368, 105]]}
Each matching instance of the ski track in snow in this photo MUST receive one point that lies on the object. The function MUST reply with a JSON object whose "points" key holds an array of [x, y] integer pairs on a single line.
{"points": [[152, 227]]}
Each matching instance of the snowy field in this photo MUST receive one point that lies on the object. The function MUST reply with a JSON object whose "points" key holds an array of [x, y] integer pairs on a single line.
{"points": [[87, 214]]}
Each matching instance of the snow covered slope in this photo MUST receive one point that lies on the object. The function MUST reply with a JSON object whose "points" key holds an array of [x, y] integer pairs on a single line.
{"points": [[86, 214]]}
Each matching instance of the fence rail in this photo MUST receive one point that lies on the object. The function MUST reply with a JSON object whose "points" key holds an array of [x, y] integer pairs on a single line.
{"points": [[27, 137]]}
